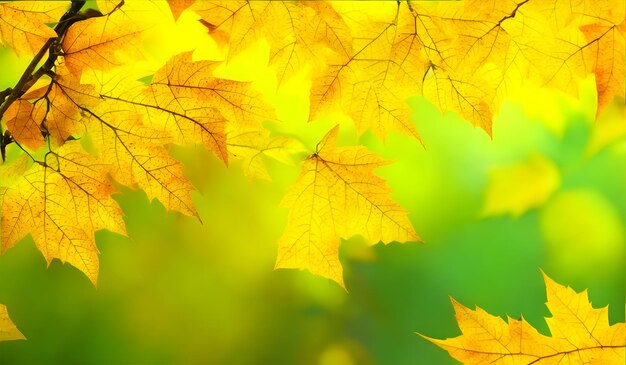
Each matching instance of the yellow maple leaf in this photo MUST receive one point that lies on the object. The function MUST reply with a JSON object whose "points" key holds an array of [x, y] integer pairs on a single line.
{"points": [[23, 24], [337, 195], [559, 44], [134, 150], [296, 31], [372, 80], [107, 41], [8, 330], [61, 202], [581, 334], [138, 156]]}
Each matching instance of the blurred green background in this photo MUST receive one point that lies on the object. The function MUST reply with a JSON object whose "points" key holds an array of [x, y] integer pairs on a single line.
{"points": [[180, 292]]}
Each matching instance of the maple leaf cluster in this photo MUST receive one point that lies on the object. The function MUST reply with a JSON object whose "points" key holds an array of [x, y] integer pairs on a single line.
{"points": [[84, 124]]}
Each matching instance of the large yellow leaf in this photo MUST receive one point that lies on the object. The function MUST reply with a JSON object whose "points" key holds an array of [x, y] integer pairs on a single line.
{"points": [[23, 24], [8, 331], [581, 334], [107, 41], [134, 150], [337, 195], [61, 202]]}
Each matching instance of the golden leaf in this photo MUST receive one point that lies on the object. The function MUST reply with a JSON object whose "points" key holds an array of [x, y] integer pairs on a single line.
{"points": [[8, 331], [23, 24], [372, 82], [581, 334], [23, 125], [338, 196], [106, 41], [175, 103], [296, 31], [61, 202], [138, 157]]}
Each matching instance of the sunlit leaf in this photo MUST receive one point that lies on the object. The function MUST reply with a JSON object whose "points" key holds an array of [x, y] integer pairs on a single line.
{"points": [[580, 334], [337, 195]]}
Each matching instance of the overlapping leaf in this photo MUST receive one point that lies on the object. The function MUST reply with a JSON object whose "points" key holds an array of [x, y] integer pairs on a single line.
{"points": [[251, 145], [297, 32], [337, 195], [581, 334], [137, 154], [373, 79], [106, 41], [61, 202], [23, 24], [365, 59], [23, 124]]}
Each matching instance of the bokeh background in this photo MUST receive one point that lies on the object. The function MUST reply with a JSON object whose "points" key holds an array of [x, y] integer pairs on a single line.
{"points": [[546, 192]]}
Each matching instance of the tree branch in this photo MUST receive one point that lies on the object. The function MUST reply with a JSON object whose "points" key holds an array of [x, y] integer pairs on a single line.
{"points": [[30, 76]]}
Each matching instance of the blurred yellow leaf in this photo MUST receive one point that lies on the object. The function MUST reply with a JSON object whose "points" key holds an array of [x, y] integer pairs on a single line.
{"points": [[338, 196], [581, 334], [584, 229], [610, 128], [251, 145], [516, 188]]}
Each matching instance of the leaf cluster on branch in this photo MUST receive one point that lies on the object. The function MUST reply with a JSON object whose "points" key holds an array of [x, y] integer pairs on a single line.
{"points": [[83, 123]]}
